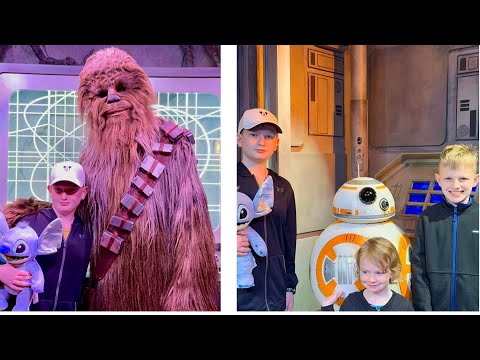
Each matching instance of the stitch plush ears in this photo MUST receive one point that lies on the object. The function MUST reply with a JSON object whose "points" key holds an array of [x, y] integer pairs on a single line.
{"points": [[3, 224], [48, 242], [51, 238], [263, 200]]}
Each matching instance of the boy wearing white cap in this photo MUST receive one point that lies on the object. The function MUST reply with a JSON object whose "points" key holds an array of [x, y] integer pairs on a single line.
{"points": [[65, 270], [274, 276]]}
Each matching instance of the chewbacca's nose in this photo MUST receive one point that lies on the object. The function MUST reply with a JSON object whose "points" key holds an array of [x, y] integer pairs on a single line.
{"points": [[112, 98]]}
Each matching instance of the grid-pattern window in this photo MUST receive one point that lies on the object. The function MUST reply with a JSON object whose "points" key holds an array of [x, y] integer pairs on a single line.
{"points": [[423, 193], [44, 129]]}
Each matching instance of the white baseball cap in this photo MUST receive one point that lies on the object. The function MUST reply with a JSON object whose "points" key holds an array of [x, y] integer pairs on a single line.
{"points": [[68, 171], [257, 116]]}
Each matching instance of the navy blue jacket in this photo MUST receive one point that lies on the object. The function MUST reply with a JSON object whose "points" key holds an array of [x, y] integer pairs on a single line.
{"points": [[275, 272], [65, 270], [445, 258]]}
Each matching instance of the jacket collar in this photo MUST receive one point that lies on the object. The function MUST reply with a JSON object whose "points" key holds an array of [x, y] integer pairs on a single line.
{"points": [[242, 170], [51, 215], [461, 206]]}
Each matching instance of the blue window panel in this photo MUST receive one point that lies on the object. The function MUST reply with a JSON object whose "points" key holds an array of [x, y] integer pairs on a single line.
{"points": [[436, 186], [420, 185], [413, 209], [417, 197], [435, 198]]}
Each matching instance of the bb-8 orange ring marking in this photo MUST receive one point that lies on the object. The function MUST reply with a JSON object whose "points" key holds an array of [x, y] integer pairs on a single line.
{"points": [[349, 187], [406, 268], [327, 250]]}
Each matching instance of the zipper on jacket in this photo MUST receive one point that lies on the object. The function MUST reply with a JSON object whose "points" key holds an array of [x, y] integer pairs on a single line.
{"points": [[57, 290], [266, 262], [454, 258]]}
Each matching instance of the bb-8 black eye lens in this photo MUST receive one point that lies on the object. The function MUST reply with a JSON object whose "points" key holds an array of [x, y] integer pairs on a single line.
{"points": [[368, 195]]}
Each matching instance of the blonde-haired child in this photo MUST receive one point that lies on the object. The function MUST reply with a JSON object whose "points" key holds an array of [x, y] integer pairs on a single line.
{"points": [[378, 265], [445, 250]]}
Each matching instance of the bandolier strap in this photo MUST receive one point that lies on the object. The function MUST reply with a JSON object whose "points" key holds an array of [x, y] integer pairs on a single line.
{"points": [[133, 202]]}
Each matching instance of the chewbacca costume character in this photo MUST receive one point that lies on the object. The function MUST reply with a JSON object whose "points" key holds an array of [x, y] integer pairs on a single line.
{"points": [[168, 260]]}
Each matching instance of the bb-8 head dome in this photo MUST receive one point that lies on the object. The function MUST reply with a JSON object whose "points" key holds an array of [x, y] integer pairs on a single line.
{"points": [[363, 200]]}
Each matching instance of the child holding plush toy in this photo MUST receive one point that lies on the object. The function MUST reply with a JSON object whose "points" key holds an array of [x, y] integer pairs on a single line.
{"points": [[247, 210], [274, 275], [64, 271], [19, 246]]}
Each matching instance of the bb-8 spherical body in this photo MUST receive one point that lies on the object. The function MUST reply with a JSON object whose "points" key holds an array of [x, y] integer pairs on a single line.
{"points": [[363, 207]]}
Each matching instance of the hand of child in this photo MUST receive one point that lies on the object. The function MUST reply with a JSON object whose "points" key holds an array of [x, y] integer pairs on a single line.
{"points": [[290, 301], [243, 245], [13, 278], [332, 298]]}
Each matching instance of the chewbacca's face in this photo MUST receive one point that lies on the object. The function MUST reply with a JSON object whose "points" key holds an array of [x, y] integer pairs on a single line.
{"points": [[113, 88]]}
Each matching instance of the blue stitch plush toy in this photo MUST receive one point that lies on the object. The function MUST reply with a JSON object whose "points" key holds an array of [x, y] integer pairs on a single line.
{"points": [[19, 247], [247, 210]]}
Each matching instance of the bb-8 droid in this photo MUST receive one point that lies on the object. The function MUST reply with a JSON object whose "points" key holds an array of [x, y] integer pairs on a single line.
{"points": [[363, 207]]}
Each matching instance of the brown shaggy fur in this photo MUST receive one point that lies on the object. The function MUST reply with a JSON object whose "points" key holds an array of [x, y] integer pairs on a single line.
{"points": [[19, 208], [168, 262]]}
